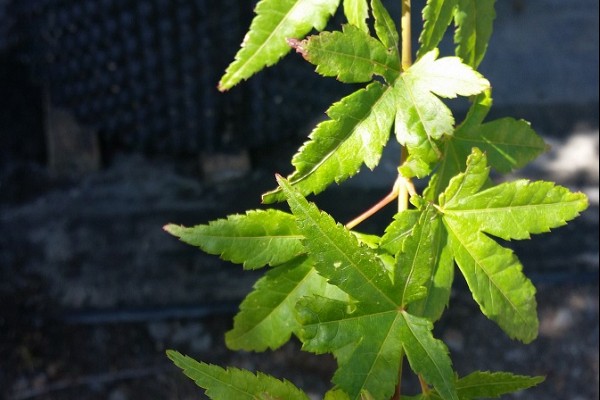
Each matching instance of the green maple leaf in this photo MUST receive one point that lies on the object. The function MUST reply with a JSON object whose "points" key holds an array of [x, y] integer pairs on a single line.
{"points": [[437, 15], [370, 335], [256, 239], [509, 144], [275, 22], [350, 55], [493, 384], [234, 383], [266, 318], [357, 12], [480, 385], [359, 127], [385, 28], [510, 211], [422, 118], [474, 20]]}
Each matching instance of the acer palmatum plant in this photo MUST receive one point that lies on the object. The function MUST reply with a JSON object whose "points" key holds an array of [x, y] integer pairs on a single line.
{"points": [[370, 300]]}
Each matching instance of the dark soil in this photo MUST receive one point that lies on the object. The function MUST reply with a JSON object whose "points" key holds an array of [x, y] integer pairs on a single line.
{"points": [[92, 291]]}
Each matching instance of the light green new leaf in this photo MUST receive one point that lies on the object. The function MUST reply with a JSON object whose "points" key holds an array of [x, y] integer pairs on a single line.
{"points": [[267, 318], [494, 384], [234, 383], [385, 28], [256, 239], [474, 20], [427, 356], [423, 118], [437, 15], [447, 77], [350, 55], [357, 12], [359, 127], [337, 254], [275, 22]]}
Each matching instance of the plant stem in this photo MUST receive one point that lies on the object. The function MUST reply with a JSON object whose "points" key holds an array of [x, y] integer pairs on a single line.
{"points": [[424, 386], [406, 33], [397, 393], [391, 196]]}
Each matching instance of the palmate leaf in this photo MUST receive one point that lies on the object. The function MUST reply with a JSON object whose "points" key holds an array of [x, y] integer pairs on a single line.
{"points": [[266, 318], [512, 210], [368, 338], [350, 55], [474, 20], [509, 144], [423, 118], [256, 239], [359, 127], [234, 383], [275, 22]]}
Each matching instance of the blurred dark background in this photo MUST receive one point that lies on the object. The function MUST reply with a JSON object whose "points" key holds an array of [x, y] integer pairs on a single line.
{"points": [[111, 126]]}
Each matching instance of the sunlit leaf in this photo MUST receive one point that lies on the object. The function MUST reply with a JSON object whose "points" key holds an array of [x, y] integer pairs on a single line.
{"points": [[255, 239], [275, 22], [359, 127]]}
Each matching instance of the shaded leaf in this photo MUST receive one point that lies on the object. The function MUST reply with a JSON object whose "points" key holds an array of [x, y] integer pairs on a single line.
{"points": [[275, 22], [234, 383], [255, 239], [508, 143]]}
